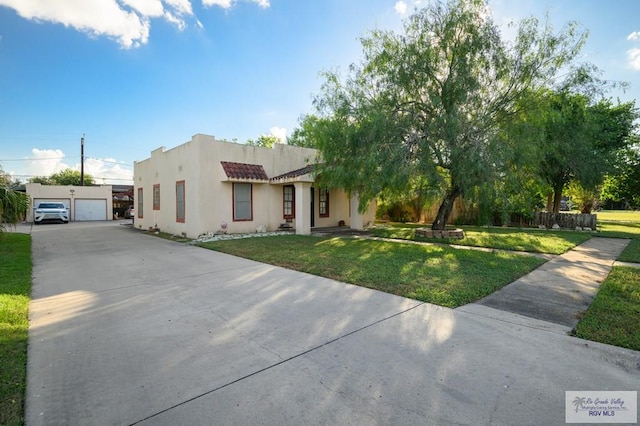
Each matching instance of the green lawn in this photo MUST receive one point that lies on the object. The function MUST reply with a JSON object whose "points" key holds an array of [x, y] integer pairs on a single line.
{"points": [[449, 277], [15, 288], [614, 315], [530, 240], [435, 274], [618, 216], [624, 230]]}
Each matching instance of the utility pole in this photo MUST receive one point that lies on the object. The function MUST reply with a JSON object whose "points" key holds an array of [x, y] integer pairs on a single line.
{"points": [[82, 160]]}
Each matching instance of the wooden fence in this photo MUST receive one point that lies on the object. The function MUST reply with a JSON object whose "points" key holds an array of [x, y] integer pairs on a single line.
{"points": [[563, 220]]}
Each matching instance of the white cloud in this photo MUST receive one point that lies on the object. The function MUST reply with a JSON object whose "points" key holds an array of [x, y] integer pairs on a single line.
{"points": [[181, 7], [228, 4], [633, 57], [45, 162], [94, 17], [146, 7], [633, 54], [401, 7], [126, 21], [279, 132], [106, 171], [171, 18], [225, 4]]}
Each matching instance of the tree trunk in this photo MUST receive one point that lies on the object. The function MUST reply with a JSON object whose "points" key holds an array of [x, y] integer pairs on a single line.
{"points": [[444, 212], [557, 197], [550, 201], [416, 206]]}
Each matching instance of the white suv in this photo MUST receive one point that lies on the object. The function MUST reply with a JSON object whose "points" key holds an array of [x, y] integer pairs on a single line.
{"points": [[50, 211]]}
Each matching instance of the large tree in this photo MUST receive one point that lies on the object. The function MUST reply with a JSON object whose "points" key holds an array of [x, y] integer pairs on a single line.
{"points": [[64, 177], [428, 102], [622, 184], [577, 139]]}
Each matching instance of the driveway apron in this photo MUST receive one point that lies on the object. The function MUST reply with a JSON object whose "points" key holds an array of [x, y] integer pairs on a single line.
{"points": [[126, 328]]}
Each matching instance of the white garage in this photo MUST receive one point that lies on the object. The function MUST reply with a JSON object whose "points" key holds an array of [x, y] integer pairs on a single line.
{"points": [[86, 210], [85, 203]]}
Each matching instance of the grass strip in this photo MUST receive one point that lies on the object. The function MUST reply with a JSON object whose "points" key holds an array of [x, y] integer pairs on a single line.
{"points": [[529, 240], [15, 289], [614, 315], [632, 252], [437, 274]]}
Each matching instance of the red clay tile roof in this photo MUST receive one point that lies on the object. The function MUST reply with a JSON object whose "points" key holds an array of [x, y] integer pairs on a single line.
{"points": [[244, 171], [295, 173]]}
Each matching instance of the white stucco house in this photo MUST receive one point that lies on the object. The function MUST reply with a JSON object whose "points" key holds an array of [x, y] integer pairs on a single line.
{"points": [[206, 186]]}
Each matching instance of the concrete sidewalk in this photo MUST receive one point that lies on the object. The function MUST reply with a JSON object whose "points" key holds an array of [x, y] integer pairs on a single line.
{"points": [[127, 328], [560, 290]]}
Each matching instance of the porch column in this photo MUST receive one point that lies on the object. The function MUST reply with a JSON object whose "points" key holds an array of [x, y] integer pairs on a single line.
{"points": [[303, 208], [357, 220]]}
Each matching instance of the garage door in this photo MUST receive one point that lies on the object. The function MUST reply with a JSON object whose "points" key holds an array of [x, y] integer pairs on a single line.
{"points": [[90, 210]]}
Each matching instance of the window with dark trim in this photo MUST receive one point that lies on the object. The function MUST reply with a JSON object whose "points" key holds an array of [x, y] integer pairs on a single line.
{"points": [[323, 202], [180, 201], [289, 202], [242, 202], [156, 196], [140, 203]]}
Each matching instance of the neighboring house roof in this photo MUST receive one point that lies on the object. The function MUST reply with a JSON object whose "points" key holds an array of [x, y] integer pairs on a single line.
{"points": [[122, 188], [242, 171], [295, 173]]}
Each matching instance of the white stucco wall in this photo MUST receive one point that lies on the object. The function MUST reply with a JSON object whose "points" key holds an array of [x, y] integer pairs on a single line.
{"points": [[209, 192], [166, 168], [37, 191], [340, 209]]}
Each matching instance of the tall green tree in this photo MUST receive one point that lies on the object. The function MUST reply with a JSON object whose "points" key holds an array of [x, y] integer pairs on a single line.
{"points": [[622, 184], [564, 132], [43, 180], [579, 140], [8, 180], [429, 102], [266, 141], [64, 177], [304, 134]]}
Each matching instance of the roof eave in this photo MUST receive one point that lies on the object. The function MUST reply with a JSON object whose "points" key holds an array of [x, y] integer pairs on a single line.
{"points": [[283, 181], [241, 180]]}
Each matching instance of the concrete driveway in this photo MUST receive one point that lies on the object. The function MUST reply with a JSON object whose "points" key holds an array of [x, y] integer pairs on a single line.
{"points": [[127, 328]]}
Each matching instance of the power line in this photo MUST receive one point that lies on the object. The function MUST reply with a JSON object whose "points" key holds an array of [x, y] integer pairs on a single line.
{"points": [[111, 162], [122, 163], [37, 159], [95, 179]]}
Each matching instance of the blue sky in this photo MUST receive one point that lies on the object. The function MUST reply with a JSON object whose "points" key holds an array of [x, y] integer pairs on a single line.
{"points": [[133, 75]]}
